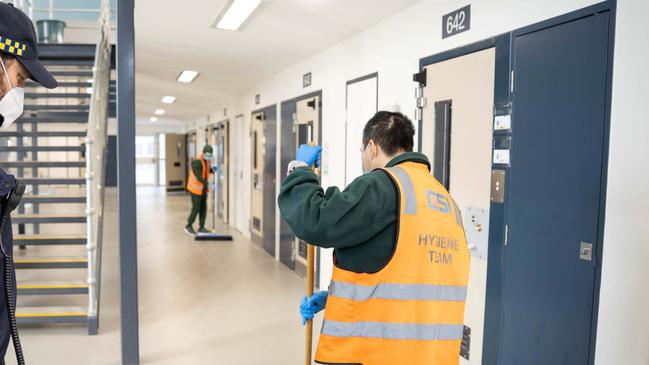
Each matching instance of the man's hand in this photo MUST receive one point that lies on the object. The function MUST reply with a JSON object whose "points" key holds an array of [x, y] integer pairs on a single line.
{"points": [[309, 155], [310, 306]]}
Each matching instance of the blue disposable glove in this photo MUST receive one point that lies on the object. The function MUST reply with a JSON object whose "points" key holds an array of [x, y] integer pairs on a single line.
{"points": [[310, 306], [212, 186], [309, 154]]}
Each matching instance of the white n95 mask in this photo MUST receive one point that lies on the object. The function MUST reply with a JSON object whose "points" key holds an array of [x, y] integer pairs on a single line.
{"points": [[11, 105]]}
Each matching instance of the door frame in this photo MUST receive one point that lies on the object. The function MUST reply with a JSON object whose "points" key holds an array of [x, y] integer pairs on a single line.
{"points": [[504, 47], [270, 202], [288, 108], [502, 100], [351, 82]]}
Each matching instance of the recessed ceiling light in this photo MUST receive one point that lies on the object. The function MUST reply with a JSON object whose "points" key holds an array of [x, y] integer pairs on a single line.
{"points": [[168, 99], [153, 119], [236, 12], [187, 76], [159, 112]]}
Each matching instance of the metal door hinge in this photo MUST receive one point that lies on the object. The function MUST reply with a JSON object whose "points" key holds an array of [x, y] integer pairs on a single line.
{"points": [[421, 102]]}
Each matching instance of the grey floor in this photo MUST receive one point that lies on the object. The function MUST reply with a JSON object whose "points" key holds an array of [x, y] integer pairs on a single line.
{"points": [[200, 303]]}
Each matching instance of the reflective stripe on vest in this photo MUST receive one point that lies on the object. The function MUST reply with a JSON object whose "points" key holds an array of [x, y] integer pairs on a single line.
{"points": [[394, 331], [397, 291], [408, 190]]}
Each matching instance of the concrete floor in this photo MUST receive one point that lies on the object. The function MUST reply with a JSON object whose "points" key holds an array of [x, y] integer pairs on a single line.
{"points": [[200, 303]]}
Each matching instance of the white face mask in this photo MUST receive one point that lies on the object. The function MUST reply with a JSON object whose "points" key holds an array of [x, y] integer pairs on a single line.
{"points": [[11, 105], [363, 155]]}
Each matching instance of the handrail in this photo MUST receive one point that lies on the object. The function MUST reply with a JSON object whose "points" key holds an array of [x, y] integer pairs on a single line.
{"points": [[96, 142]]}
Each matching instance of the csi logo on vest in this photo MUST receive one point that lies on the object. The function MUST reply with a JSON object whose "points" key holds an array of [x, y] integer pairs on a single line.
{"points": [[438, 202]]}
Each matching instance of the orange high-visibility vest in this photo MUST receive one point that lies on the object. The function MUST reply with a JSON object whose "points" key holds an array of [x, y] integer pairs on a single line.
{"points": [[410, 312], [193, 185]]}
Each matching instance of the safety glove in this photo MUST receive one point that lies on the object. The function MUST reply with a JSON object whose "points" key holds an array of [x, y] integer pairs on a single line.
{"points": [[310, 306], [309, 155]]}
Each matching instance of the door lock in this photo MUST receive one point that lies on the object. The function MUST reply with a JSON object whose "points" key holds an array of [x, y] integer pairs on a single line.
{"points": [[586, 251]]}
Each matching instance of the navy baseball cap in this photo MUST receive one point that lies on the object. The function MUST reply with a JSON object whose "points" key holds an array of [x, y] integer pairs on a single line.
{"points": [[18, 39]]}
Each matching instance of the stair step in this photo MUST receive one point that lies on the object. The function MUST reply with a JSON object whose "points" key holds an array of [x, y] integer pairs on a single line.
{"points": [[46, 240], [53, 199], [48, 218], [52, 288], [52, 181], [51, 263], [85, 84], [45, 148], [56, 117], [28, 315], [57, 96], [67, 62], [77, 107], [76, 73], [32, 164], [30, 134]]}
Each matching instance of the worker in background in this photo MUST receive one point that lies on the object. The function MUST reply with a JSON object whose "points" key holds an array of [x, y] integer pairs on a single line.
{"points": [[18, 62], [401, 261], [198, 187]]}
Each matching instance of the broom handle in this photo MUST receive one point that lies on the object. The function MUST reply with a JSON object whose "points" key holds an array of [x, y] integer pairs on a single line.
{"points": [[310, 259], [310, 272]]}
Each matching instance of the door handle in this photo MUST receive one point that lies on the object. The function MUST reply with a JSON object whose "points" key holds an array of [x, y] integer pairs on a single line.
{"points": [[586, 251]]}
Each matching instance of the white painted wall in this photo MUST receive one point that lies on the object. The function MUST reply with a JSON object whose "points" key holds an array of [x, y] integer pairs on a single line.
{"points": [[394, 47]]}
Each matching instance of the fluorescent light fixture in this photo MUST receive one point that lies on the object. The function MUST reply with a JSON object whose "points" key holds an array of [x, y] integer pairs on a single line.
{"points": [[153, 119], [236, 12], [159, 112], [168, 99], [187, 76]]}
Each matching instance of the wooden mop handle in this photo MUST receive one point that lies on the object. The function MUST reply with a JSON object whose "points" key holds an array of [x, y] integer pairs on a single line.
{"points": [[310, 273], [310, 259]]}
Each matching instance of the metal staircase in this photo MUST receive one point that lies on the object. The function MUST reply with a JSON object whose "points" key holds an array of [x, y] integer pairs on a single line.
{"points": [[58, 147]]}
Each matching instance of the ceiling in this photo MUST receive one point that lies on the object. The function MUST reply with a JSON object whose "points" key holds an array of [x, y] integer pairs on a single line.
{"points": [[279, 34]]}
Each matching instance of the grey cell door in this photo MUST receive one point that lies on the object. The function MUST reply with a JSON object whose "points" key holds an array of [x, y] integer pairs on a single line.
{"points": [[558, 131]]}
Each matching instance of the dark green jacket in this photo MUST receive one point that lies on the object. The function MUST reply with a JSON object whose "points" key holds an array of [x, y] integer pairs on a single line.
{"points": [[360, 222]]}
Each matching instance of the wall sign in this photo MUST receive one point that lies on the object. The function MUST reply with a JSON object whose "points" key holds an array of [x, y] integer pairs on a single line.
{"points": [[456, 22], [306, 80], [257, 99]]}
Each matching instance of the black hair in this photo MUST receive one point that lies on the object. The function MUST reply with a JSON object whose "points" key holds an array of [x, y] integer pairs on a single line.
{"points": [[391, 131]]}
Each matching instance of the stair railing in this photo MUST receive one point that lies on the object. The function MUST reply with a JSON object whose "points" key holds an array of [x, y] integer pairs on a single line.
{"points": [[96, 142]]}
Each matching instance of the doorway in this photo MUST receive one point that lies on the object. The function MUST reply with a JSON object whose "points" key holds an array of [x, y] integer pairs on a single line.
{"points": [[361, 104], [220, 140], [544, 125], [263, 202], [301, 124], [456, 137]]}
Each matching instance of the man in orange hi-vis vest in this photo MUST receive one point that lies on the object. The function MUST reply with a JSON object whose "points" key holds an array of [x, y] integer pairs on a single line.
{"points": [[401, 262], [198, 186]]}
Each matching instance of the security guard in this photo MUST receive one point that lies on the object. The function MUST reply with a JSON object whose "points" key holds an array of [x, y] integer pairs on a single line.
{"points": [[198, 186], [18, 62], [401, 261]]}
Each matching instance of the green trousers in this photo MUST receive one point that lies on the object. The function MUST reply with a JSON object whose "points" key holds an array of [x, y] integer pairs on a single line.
{"points": [[199, 207]]}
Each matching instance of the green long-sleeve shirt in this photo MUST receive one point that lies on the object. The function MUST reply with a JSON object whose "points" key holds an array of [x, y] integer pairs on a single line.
{"points": [[360, 222]]}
